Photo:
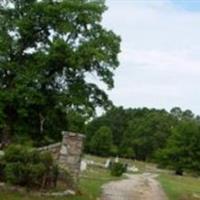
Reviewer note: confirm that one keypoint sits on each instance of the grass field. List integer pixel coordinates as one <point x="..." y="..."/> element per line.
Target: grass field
<point x="180" y="187"/>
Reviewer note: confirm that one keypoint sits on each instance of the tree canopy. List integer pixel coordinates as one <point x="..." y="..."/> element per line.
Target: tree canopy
<point x="172" y="139"/>
<point x="47" y="50"/>
<point x="137" y="133"/>
<point x="101" y="143"/>
<point x="182" y="150"/>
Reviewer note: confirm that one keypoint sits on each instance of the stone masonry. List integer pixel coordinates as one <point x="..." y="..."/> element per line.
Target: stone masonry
<point x="71" y="152"/>
<point x="68" y="153"/>
<point x="54" y="149"/>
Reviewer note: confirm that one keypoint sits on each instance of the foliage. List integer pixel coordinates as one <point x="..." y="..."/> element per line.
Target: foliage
<point x="136" y="133"/>
<point x="48" y="49"/>
<point x="90" y="186"/>
<point x="182" y="150"/>
<point x="170" y="138"/>
<point x="117" y="168"/>
<point x="101" y="143"/>
<point x="116" y="119"/>
<point x="27" y="167"/>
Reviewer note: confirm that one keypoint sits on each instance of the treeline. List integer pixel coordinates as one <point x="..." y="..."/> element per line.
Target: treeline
<point x="170" y="138"/>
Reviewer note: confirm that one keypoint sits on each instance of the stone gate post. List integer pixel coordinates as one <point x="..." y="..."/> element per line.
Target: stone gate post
<point x="71" y="152"/>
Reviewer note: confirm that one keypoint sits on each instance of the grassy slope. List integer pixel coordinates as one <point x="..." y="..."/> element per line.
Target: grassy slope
<point x="180" y="188"/>
<point x="91" y="182"/>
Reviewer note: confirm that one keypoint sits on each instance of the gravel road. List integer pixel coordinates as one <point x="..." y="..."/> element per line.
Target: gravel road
<point x="135" y="187"/>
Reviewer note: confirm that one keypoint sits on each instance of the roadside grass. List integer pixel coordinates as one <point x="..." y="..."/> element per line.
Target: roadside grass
<point x="91" y="182"/>
<point x="180" y="187"/>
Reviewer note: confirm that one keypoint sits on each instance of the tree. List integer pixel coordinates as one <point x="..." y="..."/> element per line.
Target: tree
<point x="101" y="142"/>
<point x="47" y="50"/>
<point x="179" y="114"/>
<point x="76" y="122"/>
<point x="137" y="133"/>
<point x="187" y="114"/>
<point x="147" y="133"/>
<point x="176" y="112"/>
<point x="116" y="119"/>
<point x="182" y="150"/>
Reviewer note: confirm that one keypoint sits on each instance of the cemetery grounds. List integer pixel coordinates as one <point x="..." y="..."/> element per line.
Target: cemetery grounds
<point x="92" y="180"/>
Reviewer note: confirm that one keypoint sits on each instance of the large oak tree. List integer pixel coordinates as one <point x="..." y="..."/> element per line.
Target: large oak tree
<point x="47" y="50"/>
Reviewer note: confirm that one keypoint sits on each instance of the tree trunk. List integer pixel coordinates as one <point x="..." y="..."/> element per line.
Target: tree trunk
<point x="7" y="131"/>
<point x="6" y="136"/>
<point x="42" y="120"/>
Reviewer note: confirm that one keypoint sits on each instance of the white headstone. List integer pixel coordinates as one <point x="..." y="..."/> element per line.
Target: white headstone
<point x="2" y="153"/>
<point x="133" y="169"/>
<point x="83" y="165"/>
<point x="117" y="159"/>
<point x="107" y="164"/>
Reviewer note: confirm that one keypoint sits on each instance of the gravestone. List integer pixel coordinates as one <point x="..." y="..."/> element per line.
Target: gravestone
<point x="117" y="159"/>
<point x="108" y="162"/>
<point x="71" y="153"/>
<point x="83" y="165"/>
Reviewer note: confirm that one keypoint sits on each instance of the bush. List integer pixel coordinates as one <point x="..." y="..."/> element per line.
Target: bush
<point x="27" y="167"/>
<point x="117" y="169"/>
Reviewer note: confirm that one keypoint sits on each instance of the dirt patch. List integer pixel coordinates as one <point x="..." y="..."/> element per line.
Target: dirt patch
<point x="136" y="187"/>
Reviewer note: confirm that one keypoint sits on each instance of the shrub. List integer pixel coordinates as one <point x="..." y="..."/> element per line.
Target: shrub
<point x="14" y="173"/>
<point x="27" y="167"/>
<point x="117" y="169"/>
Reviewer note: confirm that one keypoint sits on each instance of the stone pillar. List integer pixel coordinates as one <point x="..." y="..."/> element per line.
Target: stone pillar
<point x="71" y="152"/>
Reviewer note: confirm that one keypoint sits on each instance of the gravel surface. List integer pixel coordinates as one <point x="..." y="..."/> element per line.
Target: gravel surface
<point x="136" y="187"/>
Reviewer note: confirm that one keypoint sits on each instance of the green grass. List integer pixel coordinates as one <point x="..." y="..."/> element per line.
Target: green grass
<point x="98" y="159"/>
<point x="180" y="187"/>
<point x="91" y="182"/>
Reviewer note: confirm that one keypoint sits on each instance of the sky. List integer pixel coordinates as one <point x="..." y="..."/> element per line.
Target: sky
<point x="160" y="53"/>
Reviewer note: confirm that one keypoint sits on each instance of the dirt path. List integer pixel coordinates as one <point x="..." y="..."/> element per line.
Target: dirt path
<point x="136" y="187"/>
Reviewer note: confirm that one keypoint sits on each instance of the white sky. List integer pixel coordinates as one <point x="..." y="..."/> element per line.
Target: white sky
<point x="160" y="58"/>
